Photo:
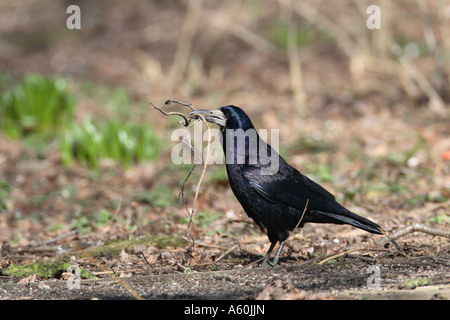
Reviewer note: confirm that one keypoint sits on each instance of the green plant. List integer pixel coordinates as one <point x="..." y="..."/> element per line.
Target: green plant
<point x="39" y="104"/>
<point x="413" y="283"/>
<point x="83" y="224"/>
<point x="44" y="271"/>
<point x="103" y="217"/>
<point x="56" y="227"/>
<point x="5" y="190"/>
<point x="441" y="218"/>
<point x="162" y="196"/>
<point x="203" y="218"/>
<point x="89" y="223"/>
<point x="323" y="173"/>
<point x="125" y="143"/>
<point x="219" y="174"/>
<point x="305" y="34"/>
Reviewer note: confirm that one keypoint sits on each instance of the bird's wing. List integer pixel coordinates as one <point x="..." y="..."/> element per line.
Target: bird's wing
<point x="293" y="190"/>
<point x="316" y="188"/>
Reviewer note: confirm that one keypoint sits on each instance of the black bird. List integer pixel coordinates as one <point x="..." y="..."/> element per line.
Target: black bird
<point x="277" y="201"/>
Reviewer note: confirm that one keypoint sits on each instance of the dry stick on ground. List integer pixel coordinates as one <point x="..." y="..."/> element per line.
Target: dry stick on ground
<point x="125" y="285"/>
<point x="421" y="228"/>
<point x="225" y="253"/>
<point x="218" y="259"/>
<point x="57" y="238"/>
<point x="415" y="227"/>
<point x="390" y="238"/>
<point x="357" y="249"/>
<point x="146" y="261"/>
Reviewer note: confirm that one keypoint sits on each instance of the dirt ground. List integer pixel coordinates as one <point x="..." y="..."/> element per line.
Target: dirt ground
<point x="346" y="280"/>
<point x="368" y="129"/>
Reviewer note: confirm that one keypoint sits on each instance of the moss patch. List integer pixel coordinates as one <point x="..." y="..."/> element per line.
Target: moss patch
<point x="43" y="271"/>
<point x="113" y="248"/>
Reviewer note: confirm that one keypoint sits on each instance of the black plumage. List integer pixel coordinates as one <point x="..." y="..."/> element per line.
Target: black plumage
<point x="277" y="201"/>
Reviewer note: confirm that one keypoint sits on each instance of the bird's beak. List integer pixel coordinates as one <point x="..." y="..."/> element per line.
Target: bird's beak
<point x="213" y="116"/>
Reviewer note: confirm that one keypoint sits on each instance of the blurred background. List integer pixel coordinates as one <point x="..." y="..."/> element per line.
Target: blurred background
<point x="363" y="111"/>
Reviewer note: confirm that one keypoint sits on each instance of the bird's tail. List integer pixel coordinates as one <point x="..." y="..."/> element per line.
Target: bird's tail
<point x="348" y="217"/>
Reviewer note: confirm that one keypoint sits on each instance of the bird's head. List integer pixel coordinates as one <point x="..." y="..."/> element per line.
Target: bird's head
<point x="228" y="117"/>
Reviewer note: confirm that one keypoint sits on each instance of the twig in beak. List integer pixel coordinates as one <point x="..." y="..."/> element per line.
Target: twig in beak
<point x="205" y="162"/>
<point x="186" y="120"/>
<point x="169" y="101"/>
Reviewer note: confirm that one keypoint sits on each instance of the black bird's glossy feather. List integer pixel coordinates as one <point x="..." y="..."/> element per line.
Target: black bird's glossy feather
<point x="276" y="202"/>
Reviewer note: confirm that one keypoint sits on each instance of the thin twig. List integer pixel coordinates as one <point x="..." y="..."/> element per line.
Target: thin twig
<point x="205" y="162"/>
<point x="416" y="227"/>
<point x="421" y="228"/>
<point x="225" y="253"/>
<point x="57" y="238"/>
<point x="146" y="261"/>
<point x="356" y="249"/>
<point x="169" y="101"/>
<point x="125" y="285"/>
<point x="186" y="120"/>
<point x="299" y="221"/>
<point x="181" y="193"/>
<point x="218" y="259"/>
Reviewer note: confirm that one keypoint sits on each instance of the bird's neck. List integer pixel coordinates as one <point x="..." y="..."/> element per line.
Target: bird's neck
<point x="243" y="146"/>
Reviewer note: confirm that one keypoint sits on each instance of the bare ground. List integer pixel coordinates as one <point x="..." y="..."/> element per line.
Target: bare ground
<point x="343" y="280"/>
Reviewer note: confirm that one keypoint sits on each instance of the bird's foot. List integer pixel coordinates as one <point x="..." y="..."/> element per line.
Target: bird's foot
<point x="271" y="264"/>
<point x="265" y="262"/>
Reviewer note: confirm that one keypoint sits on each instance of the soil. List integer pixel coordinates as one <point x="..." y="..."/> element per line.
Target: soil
<point x="371" y="273"/>
<point x="349" y="279"/>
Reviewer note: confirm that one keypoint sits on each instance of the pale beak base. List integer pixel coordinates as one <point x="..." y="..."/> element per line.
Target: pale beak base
<point x="213" y="116"/>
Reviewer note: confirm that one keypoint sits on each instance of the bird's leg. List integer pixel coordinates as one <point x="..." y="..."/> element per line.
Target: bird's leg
<point x="277" y="255"/>
<point x="267" y="256"/>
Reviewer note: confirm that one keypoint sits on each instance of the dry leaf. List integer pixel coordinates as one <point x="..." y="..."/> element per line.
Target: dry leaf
<point x="30" y="279"/>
